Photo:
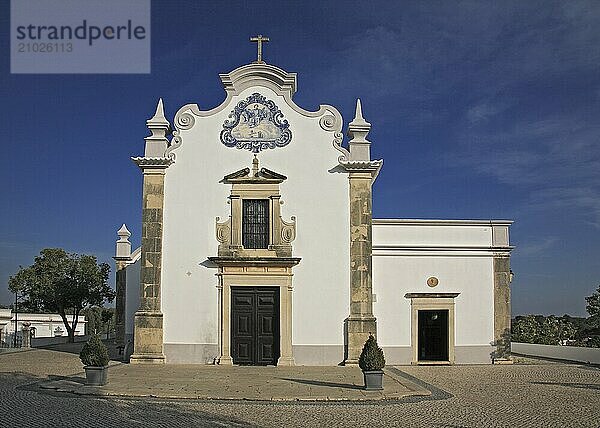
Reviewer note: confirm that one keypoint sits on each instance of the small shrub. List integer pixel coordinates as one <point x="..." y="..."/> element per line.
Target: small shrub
<point x="94" y="353"/>
<point x="371" y="357"/>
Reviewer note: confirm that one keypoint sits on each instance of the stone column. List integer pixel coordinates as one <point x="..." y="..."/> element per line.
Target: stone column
<point x="120" y="305"/>
<point x="148" y="323"/>
<point x="362" y="171"/>
<point x="26" y="330"/>
<point x="361" y="322"/>
<point x="148" y="336"/>
<point x="502" y="313"/>
<point x="122" y="257"/>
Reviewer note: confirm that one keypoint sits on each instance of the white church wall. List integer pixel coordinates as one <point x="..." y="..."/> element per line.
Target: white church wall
<point x="194" y="196"/>
<point x="432" y="233"/>
<point x="458" y="254"/>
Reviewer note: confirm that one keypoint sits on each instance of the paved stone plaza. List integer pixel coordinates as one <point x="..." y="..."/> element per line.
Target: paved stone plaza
<point x="538" y="394"/>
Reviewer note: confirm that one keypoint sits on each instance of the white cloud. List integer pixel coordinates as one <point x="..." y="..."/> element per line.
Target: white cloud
<point x="553" y="160"/>
<point x="484" y="111"/>
<point x="426" y="51"/>
<point x="537" y="248"/>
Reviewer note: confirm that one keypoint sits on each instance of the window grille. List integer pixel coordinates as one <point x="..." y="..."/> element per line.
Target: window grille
<point x="255" y="223"/>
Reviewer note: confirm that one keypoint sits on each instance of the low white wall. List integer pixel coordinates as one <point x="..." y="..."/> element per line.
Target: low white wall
<point x="571" y="353"/>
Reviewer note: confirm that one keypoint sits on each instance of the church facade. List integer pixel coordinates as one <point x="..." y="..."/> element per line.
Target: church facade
<point x="258" y="245"/>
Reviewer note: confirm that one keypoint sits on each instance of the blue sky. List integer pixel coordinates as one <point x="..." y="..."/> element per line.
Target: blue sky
<point x="480" y="109"/>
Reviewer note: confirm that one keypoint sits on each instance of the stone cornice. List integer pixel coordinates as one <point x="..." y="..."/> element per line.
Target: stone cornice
<point x="443" y="248"/>
<point x="438" y="222"/>
<point x="259" y="74"/>
<point x="152" y="163"/>
<point x="373" y="166"/>
<point x="431" y="295"/>
<point x="256" y="261"/>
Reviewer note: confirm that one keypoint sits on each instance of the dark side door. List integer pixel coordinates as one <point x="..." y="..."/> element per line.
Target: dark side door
<point x="433" y="335"/>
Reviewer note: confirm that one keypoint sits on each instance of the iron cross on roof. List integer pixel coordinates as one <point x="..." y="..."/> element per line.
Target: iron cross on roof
<point x="259" y="40"/>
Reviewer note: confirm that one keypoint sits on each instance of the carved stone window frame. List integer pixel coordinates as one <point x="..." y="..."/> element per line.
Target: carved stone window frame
<point x="261" y="184"/>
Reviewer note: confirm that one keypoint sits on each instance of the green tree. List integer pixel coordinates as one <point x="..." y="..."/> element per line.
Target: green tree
<point x="593" y="305"/>
<point x="567" y="330"/>
<point x="93" y="316"/>
<point x="63" y="283"/>
<point x="550" y="330"/>
<point x="107" y="316"/>
<point x="592" y="323"/>
<point x="525" y="329"/>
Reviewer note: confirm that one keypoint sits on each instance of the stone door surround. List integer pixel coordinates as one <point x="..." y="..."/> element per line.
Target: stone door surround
<point x="431" y="301"/>
<point x="267" y="272"/>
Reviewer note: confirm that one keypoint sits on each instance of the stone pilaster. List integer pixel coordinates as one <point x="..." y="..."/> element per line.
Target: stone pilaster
<point x="362" y="171"/>
<point x="148" y="323"/>
<point x="361" y="322"/>
<point x="122" y="258"/>
<point x="121" y="299"/>
<point x="502" y="314"/>
<point x="148" y="336"/>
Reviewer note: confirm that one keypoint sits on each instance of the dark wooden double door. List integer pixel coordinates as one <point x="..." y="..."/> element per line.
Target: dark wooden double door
<point x="255" y="326"/>
<point x="433" y="335"/>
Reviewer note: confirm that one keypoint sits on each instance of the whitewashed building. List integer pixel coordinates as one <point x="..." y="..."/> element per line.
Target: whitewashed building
<point x="259" y="247"/>
<point x="40" y="325"/>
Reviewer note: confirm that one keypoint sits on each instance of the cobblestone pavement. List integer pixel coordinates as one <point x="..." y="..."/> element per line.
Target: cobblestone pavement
<point x="536" y="395"/>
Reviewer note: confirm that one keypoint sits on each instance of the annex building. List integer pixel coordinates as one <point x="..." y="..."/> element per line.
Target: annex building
<point x="258" y="245"/>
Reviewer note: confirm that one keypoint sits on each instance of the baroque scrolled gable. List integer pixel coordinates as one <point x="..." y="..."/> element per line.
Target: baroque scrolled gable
<point x="258" y="114"/>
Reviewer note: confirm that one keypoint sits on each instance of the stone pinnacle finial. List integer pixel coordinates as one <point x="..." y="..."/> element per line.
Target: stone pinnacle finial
<point x="359" y="120"/>
<point x="123" y="244"/>
<point x="123" y="233"/>
<point x="158" y="120"/>
<point x="357" y="131"/>
<point x="159" y="115"/>
<point x="159" y="126"/>
<point x="255" y="166"/>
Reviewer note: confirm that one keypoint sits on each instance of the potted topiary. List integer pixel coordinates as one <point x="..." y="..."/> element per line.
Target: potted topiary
<point x="94" y="357"/>
<point x="371" y="362"/>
